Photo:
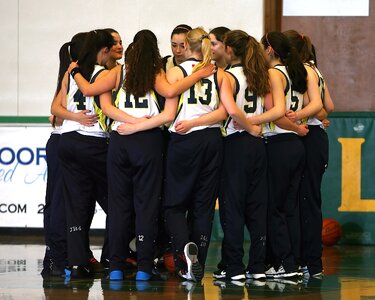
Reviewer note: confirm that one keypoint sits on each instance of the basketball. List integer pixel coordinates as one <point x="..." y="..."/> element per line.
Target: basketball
<point x="331" y="232"/>
<point x="169" y="262"/>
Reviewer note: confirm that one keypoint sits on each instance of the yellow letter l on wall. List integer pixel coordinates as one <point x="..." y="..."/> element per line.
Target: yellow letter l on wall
<point x="351" y="177"/>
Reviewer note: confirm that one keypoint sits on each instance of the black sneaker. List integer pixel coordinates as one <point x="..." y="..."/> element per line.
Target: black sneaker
<point x="280" y="273"/>
<point x="218" y="274"/>
<point x="52" y="270"/>
<point x="237" y="277"/>
<point x="195" y="270"/>
<point x="255" y="276"/>
<point x="78" y="272"/>
<point x="105" y="263"/>
<point x="95" y="266"/>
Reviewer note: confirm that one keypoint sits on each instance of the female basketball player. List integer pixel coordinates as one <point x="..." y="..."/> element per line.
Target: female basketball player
<point x="178" y="47"/>
<point x="55" y="258"/>
<point x="285" y="154"/>
<point x="316" y="147"/>
<point x="216" y="36"/>
<point x="117" y="49"/>
<point x="243" y="192"/>
<point x="272" y="113"/>
<point x="83" y="151"/>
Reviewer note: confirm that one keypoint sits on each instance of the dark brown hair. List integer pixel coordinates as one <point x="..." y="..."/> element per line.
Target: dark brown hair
<point x="288" y="55"/>
<point x="143" y="63"/>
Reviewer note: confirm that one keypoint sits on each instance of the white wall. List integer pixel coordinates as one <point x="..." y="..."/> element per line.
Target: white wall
<point x="32" y="32"/>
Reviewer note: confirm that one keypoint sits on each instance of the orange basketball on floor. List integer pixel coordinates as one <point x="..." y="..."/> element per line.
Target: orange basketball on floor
<point x="331" y="232"/>
<point x="169" y="262"/>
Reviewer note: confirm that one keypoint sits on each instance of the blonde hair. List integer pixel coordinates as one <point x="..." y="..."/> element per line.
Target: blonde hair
<point x="199" y="41"/>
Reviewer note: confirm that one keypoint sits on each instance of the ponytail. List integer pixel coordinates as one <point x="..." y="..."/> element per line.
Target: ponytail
<point x="296" y="71"/>
<point x="94" y="42"/>
<point x="198" y="41"/>
<point x="255" y="68"/>
<point x="288" y="55"/>
<point x="254" y="64"/>
<point x="143" y="63"/>
<point x="306" y="52"/>
<point x="303" y="45"/>
<point x="68" y="53"/>
<point x="65" y="60"/>
<point x="206" y="53"/>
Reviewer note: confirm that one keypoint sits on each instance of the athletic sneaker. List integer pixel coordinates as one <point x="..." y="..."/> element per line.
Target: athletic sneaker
<point x="95" y="266"/>
<point x="53" y="270"/>
<point x="271" y="272"/>
<point x="256" y="276"/>
<point x="306" y="273"/>
<point x="299" y="271"/>
<point x="218" y="274"/>
<point x="105" y="263"/>
<point x="194" y="271"/>
<point x="185" y="274"/>
<point x="280" y="273"/>
<point x="116" y="275"/>
<point x="143" y="276"/>
<point x="77" y="272"/>
<point x="237" y="277"/>
<point x="318" y="275"/>
<point x="305" y="270"/>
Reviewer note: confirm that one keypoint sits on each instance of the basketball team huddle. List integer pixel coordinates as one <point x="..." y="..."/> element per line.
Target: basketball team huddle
<point x="156" y="141"/>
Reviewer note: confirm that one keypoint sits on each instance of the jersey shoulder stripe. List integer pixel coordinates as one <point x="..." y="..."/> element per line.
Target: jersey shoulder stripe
<point x="286" y="90"/>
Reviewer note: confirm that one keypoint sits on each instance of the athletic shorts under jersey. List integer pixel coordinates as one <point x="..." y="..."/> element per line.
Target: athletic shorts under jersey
<point x="200" y="99"/>
<point x="245" y="99"/>
<point x="293" y="101"/>
<point x="76" y="102"/>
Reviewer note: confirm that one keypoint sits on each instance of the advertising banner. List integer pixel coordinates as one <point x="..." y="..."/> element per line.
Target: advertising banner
<point x="348" y="188"/>
<point x="23" y="177"/>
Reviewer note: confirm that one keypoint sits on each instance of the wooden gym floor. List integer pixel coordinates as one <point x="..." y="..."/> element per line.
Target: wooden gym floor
<point x="349" y="274"/>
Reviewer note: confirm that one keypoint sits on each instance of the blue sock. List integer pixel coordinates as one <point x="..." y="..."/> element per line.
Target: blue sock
<point x="116" y="275"/>
<point x="143" y="276"/>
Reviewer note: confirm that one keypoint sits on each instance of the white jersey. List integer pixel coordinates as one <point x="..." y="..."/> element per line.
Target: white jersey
<point x="293" y="101"/>
<point x="56" y="130"/>
<point x="170" y="62"/>
<point x="250" y="104"/>
<point x="147" y="105"/>
<point x="312" y="120"/>
<point x="76" y="102"/>
<point x="200" y="99"/>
